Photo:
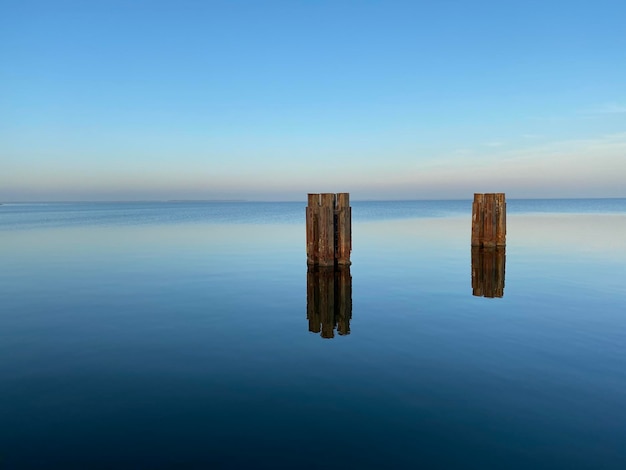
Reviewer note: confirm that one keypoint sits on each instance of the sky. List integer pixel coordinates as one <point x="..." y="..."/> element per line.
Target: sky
<point x="271" y="100"/>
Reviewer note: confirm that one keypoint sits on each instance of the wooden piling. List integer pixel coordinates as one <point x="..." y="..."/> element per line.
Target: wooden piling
<point x="500" y="220"/>
<point x="329" y="300"/>
<point x="489" y="220"/>
<point x="343" y="225"/>
<point x="328" y="229"/>
<point x="477" y="219"/>
<point x="488" y="271"/>
<point x="312" y="218"/>
<point x="326" y="233"/>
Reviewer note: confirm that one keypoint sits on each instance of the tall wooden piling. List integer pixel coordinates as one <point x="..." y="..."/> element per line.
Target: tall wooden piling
<point x="489" y="220"/>
<point x="488" y="269"/>
<point x="328" y="229"/>
<point x="329" y="300"/>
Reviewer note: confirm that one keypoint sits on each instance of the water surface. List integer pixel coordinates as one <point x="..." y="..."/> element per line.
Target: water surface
<point x="175" y="335"/>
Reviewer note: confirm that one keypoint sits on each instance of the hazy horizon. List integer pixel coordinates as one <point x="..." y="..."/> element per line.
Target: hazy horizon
<point x="302" y="200"/>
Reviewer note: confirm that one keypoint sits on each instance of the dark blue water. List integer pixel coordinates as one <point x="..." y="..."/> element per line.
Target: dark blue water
<point x="175" y="335"/>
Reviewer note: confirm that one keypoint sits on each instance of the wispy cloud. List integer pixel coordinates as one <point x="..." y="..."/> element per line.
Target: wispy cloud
<point x="609" y="108"/>
<point x="597" y="112"/>
<point x="593" y="167"/>
<point x="493" y="144"/>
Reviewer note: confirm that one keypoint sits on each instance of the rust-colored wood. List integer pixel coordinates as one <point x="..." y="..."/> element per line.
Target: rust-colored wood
<point x="477" y="219"/>
<point x="328" y="229"/>
<point x="312" y="220"/>
<point x="326" y="232"/>
<point x="343" y="229"/>
<point x="500" y="219"/>
<point x="489" y="220"/>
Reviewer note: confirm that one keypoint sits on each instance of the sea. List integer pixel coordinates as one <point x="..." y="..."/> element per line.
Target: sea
<point x="192" y="335"/>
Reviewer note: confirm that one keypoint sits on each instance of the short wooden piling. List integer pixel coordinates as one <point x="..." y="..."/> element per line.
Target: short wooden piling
<point x="488" y="270"/>
<point x="489" y="220"/>
<point x="328" y="229"/>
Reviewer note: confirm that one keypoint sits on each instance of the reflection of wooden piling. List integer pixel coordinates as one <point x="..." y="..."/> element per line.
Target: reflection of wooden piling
<point x="488" y="266"/>
<point x="329" y="300"/>
<point x="489" y="220"/>
<point x="343" y="299"/>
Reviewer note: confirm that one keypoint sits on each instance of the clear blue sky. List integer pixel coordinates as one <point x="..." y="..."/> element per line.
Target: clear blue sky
<point x="273" y="99"/>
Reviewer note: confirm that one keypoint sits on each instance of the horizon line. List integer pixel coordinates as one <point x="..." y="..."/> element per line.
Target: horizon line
<point x="234" y="201"/>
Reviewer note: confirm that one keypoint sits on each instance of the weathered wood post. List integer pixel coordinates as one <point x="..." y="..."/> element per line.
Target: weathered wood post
<point x="477" y="219"/>
<point x="500" y="219"/>
<point x="343" y="227"/>
<point x="329" y="300"/>
<point x="488" y="266"/>
<point x="328" y="229"/>
<point x="312" y="221"/>
<point x="489" y="220"/>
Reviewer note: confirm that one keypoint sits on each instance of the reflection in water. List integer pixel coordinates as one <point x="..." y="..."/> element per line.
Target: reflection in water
<point x="329" y="300"/>
<point x="488" y="271"/>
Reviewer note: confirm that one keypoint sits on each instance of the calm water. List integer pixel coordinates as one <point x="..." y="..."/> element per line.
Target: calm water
<point x="179" y="335"/>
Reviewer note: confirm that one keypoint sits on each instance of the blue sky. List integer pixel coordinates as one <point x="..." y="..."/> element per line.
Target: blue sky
<point x="269" y="100"/>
